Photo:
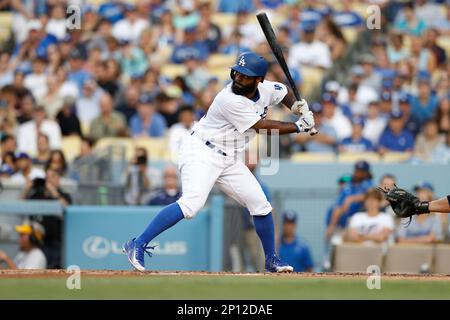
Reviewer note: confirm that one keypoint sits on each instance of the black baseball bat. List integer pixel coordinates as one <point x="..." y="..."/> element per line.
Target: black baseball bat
<point x="278" y="53"/>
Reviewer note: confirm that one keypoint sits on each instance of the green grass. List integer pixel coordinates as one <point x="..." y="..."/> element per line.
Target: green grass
<point x="226" y="287"/>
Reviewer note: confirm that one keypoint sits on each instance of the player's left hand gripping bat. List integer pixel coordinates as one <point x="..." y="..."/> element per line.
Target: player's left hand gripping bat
<point x="276" y="49"/>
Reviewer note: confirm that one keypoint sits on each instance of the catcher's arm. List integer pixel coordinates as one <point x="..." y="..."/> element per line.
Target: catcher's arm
<point x="440" y="205"/>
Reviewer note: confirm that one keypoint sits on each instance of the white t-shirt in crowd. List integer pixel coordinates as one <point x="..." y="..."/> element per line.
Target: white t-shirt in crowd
<point x="56" y="27"/>
<point x="34" y="173"/>
<point x="366" y="225"/>
<point x="373" y="128"/>
<point x="315" y="54"/>
<point x="340" y="123"/>
<point x="27" y="135"/>
<point x="124" y="30"/>
<point x="37" y="84"/>
<point x="230" y="116"/>
<point x="88" y="108"/>
<point x="34" y="259"/>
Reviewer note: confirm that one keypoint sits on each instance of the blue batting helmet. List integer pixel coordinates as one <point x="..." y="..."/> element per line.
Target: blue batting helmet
<point x="250" y="64"/>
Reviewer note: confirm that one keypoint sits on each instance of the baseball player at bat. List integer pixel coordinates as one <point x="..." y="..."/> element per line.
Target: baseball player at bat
<point x="208" y="156"/>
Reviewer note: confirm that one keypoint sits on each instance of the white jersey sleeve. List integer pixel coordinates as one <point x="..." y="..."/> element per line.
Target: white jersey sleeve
<point x="277" y="91"/>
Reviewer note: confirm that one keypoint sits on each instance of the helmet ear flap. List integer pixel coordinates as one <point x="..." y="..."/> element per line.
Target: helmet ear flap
<point x="232" y="74"/>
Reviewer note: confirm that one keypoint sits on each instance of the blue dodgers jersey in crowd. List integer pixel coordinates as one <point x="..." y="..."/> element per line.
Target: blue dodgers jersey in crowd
<point x="401" y="142"/>
<point x="350" y="190"/>
<point x="111" y="11"/>
<point x="198" y="50"/>
<point x="348" y="19"/>
<point x="426" y="111"/>
<point x="162" y="198"/>
<point x="157" y="127"/>
<point x="361" y="145"/>
<point x="296" y="254"/>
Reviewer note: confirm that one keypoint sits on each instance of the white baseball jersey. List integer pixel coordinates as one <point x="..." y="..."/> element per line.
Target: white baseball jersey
<point x="366" y="224"/>
<point x="226" y="126"/>
<point x="230" y="116"/>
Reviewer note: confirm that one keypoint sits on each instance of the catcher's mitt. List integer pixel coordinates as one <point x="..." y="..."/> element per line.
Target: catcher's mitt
<point x="405" y="204"/>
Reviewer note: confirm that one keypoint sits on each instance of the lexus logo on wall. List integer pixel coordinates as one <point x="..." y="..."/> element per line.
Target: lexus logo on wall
<point x="98" y="247"/>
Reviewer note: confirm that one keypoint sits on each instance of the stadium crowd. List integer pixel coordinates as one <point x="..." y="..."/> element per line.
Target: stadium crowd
<point x="151" y="68"/>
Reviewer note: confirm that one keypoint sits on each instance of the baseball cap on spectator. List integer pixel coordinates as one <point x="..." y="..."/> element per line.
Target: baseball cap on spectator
<point x="358" y="121"/>
<point x="367" y="58"/>
<point x="89" y="8"/>
<point x="423" y="76"/>
<point x="173" y="92"/>
<point x="332" y="86"/>
<point x="137" y="76"/>
<point x="316" y="107"/>
<point x="22" y="69"/>
<point x="396" y="114"/>
<point x="129" y="7"/>
<point x="362" y="165"/>
<point x="32" y="228"/>
<point x="290" y="216"/>
<point x="386" y="96"/>
<point x="187" y="5"/>
<point x="327" y="97"/>
<point x="76" y="55"/>
<point x="34" y="24"/>
<point x="123" y="41"/>
<point x="424" y="185"/>
<point x="379" y="42"/>
<point x="403" y="98"/>
<point x="190" y="29"/>
<point x="22" y="155"/>
<point x="67" y="38"/>
<point x="387" y="83"/>
<point x="146" y="99"/>
<point x="308" y="27"/>
<point x="69" y="100"/>
<point x="357" y="71"/>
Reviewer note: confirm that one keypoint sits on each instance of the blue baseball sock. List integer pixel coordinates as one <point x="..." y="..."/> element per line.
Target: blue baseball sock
<point x="265" y="230"/>
<point x="165" y="219"/>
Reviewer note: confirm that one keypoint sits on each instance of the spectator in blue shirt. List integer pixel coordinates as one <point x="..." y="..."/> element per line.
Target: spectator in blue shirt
<point x="424" y="105"/>
<point x="190" y="48"/>
<point x="291" y="249"/>
<point x="147" y="122"/>
<point x="347" y="17"/>
<point x="412" y="122"/>
<point x="236" y="6"/>
<point x="76" y="73"/>
<point x="351" y="198"/>
<point x="410" y="24"/>
<point x="170" y="192"/>
<point x="112" y="11"/>
<point x="356" y="142"/>
<point x="396" y="137"/>
<point x="234" y="46"/>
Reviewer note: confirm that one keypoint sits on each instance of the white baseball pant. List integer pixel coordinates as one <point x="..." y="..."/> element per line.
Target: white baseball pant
<point x="201" y="167"/>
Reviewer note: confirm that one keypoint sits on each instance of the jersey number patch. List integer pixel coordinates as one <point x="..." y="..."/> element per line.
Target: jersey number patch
<point x="277" y="87"/>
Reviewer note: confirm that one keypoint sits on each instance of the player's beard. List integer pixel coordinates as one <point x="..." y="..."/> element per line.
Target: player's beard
<point x="243" y="90"/>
